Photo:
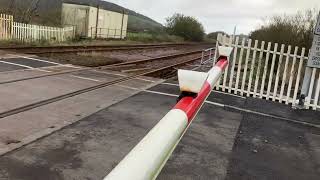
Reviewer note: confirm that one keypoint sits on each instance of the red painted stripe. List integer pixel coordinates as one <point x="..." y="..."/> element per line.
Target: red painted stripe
<point x="191" y="105"/>
<point x="222" y="62"/>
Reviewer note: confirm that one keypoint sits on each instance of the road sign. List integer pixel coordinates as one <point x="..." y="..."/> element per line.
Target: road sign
<point x="314" y="56"/>
<point x="317" y="30"/>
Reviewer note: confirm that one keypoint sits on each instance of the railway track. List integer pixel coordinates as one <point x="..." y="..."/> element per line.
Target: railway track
<point x="106" y="67"/>
<point x="95" y="87"/>
<point x="91" y="48"/>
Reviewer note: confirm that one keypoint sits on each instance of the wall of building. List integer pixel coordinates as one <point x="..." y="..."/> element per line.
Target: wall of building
<point x="85" y="19"/>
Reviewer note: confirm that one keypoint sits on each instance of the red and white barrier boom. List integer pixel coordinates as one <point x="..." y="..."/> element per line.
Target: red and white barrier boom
<point x="147" y="158"/>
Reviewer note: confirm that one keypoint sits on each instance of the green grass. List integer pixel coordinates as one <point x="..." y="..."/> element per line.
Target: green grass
<point x="148" y="37"/>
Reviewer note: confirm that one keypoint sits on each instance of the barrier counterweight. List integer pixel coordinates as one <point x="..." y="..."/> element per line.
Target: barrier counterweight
<point x="148" y="157"/>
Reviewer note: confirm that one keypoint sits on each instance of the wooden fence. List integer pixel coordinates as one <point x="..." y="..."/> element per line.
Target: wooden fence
<point x="10" y="30"/>
<point x="268" y="70"/>
<point x="6" y="22"/>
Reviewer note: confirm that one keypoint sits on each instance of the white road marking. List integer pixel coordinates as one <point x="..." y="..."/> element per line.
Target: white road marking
<point x="90" y="79"/>
<point x="122" y="75"/>
<point x="171" y="84"/>
<point x="161" y="93"/>
<point x="29" y="67"/>
<point x="40" y="60"/>
<point x="35" y="59"/>
<point x="232" y="107"/>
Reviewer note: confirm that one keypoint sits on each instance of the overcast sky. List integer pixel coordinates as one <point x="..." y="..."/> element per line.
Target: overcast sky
<point x="219" y="14"/>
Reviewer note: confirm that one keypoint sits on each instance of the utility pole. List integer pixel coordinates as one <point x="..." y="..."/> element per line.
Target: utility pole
<point x="121" y="33"/>
<point x="313" y="62"/>
<point x="234" y="33"/>
<point x="97" y="20"/>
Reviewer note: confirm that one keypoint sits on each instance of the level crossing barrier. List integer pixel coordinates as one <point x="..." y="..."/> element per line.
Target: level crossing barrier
<point x="147" y="158"/>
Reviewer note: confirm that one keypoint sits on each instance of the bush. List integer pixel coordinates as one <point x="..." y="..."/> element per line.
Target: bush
<point x="185" y="26"/>
<point x="296" y="30"/>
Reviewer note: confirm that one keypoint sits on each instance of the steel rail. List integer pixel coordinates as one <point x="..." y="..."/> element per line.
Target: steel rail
<point x="72" y="49"/>
<point x="151" y="59"/>
<point x="101" y="67"/>
<point x="85" y="90"/>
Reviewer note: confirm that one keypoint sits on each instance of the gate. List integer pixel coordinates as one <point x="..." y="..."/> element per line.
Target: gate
<point x="6" y="26"/>
<point x="268" y="70"/>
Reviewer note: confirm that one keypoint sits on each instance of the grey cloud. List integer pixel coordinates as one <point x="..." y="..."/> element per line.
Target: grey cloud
<point x="219" y="14"/>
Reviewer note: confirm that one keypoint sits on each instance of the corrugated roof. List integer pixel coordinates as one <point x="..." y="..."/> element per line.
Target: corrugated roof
<point x="102" y="4"/>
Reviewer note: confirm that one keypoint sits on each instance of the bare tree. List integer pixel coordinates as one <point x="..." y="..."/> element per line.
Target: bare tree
<point x="293" y="29"/>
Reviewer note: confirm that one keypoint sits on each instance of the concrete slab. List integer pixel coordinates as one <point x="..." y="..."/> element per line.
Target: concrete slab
<point x="15" y="75"/>
<point x="268" y="148"/>
<point x="92" y="147"/>
<point x="283" y="110"/>
<point x="9" y="67"/>
<point x="204" y="151"/>
<point x="265" y="147"/>
<point x="23" y="93"/>
<point x="30" y="125"/>
<point x="28" y="62"/>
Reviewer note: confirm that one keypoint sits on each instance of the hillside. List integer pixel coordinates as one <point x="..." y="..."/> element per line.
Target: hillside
<point x="48" y="12"/>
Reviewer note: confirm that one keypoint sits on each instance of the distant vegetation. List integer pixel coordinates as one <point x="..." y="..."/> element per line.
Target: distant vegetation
<point x="296" y="29"/>
<point x="185" y="26"/>
<point x="48" y="12"/>
<point x="137" y="23"/>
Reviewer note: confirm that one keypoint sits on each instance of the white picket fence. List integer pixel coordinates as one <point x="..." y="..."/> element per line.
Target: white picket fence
<point x="5" y="26"/>
<point x="10" y="30"/>
<point x="268" y="70"/>
<point x="28" y="32"/>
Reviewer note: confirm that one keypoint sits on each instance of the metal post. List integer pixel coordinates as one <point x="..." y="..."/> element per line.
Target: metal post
<point x="97" y="20"/>
<point x="122" y="24"/>
<point x="202" y="57"/>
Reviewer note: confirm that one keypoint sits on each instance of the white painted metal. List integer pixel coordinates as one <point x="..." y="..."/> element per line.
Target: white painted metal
<point x="147" y="158"/>
<point x="253" y="60"/>
<point x="291" y="74"/>
<point x="297" y="85"/>
<point x="191" y="81"/>
<point x="266" y="80"/>
<point x="316" y="98"/>
<point x="239" y="66"/>
<point x="265" y="70"/>
<point x="5" y="26"/>
<point x="275" y="90"/>
<point x="224" y="51"/>
<point x="313" y="76"/>
<point x="28" y="32"/>
<point x="284" y="77"/>
<point x="258" y="70"/>
<point x="233" y="64"/>
<point x="225" y="73"/>
<point x="271" y="70"/>
<point x="244" y="77"/>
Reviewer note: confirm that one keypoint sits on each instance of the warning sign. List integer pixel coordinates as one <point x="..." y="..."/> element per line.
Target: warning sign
<point x="317" y="30"/>
<point x="314" y="57"/>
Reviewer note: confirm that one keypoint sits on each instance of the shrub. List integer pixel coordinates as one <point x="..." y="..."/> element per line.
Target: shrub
<point x="185" y="26"/>
<point x="294" y="29"/>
